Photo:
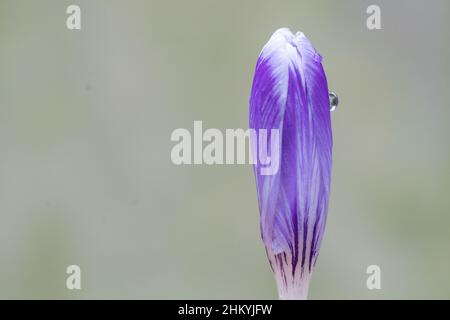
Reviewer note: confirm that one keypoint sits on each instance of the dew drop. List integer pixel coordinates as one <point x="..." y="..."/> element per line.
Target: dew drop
<point x="334" y="100"/>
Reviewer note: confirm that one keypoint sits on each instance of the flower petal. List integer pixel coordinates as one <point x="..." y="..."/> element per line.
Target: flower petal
<point x="290" y="93"/>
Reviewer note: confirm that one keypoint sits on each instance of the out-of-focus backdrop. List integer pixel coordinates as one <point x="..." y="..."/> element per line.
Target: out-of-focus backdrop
<point x="85" y="171"/>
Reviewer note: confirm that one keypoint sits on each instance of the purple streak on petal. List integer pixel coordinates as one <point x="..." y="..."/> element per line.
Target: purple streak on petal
<point x="290" y="93"/>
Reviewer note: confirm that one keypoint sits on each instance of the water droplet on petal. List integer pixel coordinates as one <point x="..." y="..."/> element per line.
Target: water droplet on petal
<point x="334" y="101"/>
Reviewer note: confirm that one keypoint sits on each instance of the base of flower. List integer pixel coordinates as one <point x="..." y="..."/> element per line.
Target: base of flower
<point x="291" y="284"/>
<point x="294" y="289"/>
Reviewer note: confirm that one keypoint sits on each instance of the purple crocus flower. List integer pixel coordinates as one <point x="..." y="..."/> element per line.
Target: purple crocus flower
<point x="290" y="93"/>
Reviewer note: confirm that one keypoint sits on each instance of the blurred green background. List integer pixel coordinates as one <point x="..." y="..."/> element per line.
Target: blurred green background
<point x="85" y="170"/>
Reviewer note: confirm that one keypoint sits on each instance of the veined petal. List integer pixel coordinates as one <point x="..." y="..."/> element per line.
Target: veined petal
<point x="290" y="93"/>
